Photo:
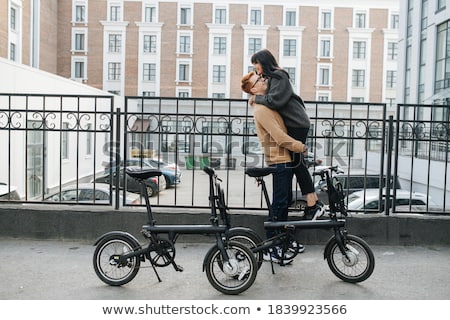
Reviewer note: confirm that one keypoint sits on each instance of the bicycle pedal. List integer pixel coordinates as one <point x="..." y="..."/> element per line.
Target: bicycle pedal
<point x="179" y="268"/>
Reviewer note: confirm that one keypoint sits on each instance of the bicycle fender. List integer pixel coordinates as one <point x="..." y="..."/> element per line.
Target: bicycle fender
<point x="326" y="252"/>
<point x="115" y="234"/>
<point x="246" y="229"/>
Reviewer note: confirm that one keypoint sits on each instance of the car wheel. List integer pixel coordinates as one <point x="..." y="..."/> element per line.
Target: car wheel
<point x="168" y="185"/>
<point x="150" y="191"/>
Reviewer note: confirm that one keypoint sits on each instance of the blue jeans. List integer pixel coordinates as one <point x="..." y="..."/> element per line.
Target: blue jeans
<point x="281" y="184"/>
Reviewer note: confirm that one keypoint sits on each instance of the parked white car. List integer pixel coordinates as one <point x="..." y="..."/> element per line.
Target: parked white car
<point x="368" y="201"/>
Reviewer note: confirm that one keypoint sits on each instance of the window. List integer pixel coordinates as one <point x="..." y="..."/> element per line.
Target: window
<point x="441" y="4"/>
<point x="442" y="73"/>
<point x="391" y="79"/>
<point x="148" y="93"/>
<point x="12" y="19"/>
<point x="79" y="70"/>
<point x="219" y="74"/>
<point x="357" y="99"/>
<point x="324" y="76"/>
<point x="115" y="43"/>
<point x="392" y="50"/>
<point x="360" y="20"/>
<point x="325" y="48"/>
<point x="291" y="73"/>
<point x="79" y="41"/>
<point x="114" y="71"/>
<point x="150" y="14"/>
<point x="359" y="50"/>
<point x="65" y="141"/>
<point x="390" y="102"/>
<point x="323" y="97"/>
<point x="183" y="72"/>
<point x="358" y="78"/>
<point x="218" y="95"/>
<point x="220" y="16"/>
<point x="12" y="52"/>
<point x="220" y="45"/>
<point x="291" y="17"/>
<point x="325" y="19"/>
<point x="184" y="94"/>
<point x="149" y="72"/>
<point x="185" y="16"/>
<point x="395" y="21"/>
<point x="80" y="13"/>
<point x="185" y="44"/>
<point x="114" y="13"/>
<point x="255" y="17"/>
<point x="149" y="43"/>
<point x="289" y="47"/>
<point x="254" y="45"/>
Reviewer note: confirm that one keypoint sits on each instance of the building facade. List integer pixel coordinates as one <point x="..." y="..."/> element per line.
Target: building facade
<point x="333" y="50"/>
<point x="424" y="42"/>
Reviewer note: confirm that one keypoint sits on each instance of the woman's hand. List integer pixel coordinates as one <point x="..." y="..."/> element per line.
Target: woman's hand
<point x="251" y="101"/>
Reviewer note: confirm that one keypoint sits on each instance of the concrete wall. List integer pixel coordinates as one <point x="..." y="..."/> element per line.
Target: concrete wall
<point x="87" y="223"/>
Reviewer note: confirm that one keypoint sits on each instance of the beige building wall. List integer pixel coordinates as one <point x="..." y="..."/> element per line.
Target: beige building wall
<point x="57" y="25"/>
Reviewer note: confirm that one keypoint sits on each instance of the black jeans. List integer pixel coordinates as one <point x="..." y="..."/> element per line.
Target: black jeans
<point x="281" y="193"/>
<point x="300" y="170"/>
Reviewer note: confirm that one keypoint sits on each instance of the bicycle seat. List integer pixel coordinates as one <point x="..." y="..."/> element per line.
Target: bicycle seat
<point x="260" y="172"/>
<point x="142" y="174"/>
<point x="210" y="171"/>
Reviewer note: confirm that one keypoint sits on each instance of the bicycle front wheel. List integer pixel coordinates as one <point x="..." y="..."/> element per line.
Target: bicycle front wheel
<point x="106" y="266"/>
<point x="356" y="265"/>
<point x="235" y="275"/>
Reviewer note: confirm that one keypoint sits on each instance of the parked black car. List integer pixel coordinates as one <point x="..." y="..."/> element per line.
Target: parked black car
<point x="154" y="184"/>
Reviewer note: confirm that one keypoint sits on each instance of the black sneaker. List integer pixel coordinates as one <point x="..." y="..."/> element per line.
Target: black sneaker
<point x="315" y="212"/>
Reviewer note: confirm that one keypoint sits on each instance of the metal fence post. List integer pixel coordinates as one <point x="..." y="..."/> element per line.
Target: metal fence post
<point x="389" y="166"/>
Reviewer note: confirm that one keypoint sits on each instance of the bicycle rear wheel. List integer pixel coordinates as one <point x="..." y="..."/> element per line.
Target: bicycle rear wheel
<point x="356" y="265"/>
<point x="235" y="275"/>
<point x="249" y="238"/>
<point x="106" y="265"/>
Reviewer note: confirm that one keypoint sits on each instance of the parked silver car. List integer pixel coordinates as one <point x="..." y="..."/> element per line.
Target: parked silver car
<point x="90" y="193"/>
<point x="369" y="201"/>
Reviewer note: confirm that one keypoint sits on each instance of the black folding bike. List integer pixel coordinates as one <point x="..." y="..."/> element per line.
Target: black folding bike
<point x="230" y="265"/>
<point x="349" y="257"/>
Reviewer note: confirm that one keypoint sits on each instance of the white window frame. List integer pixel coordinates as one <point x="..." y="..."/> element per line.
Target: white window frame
<point x="250" y="9"/>
<point x="321" y="22"/>
<point x="322" y="39"/>
<point x="324" y="66"/>
<point x="76" y="59"/>
<point x="150" y="5"/>
<point x="84" y="4"/>
<point x="220" y="7"/>
<point x="185" y="33"/>
<point x="184" y="62"/>
<point x="75" y="34"/>
<point x="286" y="10"/>
<point x="190" y="17"/>
<point x="112" y="4"/>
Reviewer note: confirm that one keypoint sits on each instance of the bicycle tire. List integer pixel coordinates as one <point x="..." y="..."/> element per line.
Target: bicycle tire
<point x="358" y="263"/>
<point x="107" y="269"/>
<point x="250" y="239"/>
<point x="236" y="275"/>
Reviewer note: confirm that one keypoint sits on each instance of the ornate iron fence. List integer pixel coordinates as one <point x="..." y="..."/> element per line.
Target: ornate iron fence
<point x="50" y="142"/>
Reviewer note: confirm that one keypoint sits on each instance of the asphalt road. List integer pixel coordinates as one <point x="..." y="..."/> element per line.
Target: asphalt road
<point x="62" y="270"/>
